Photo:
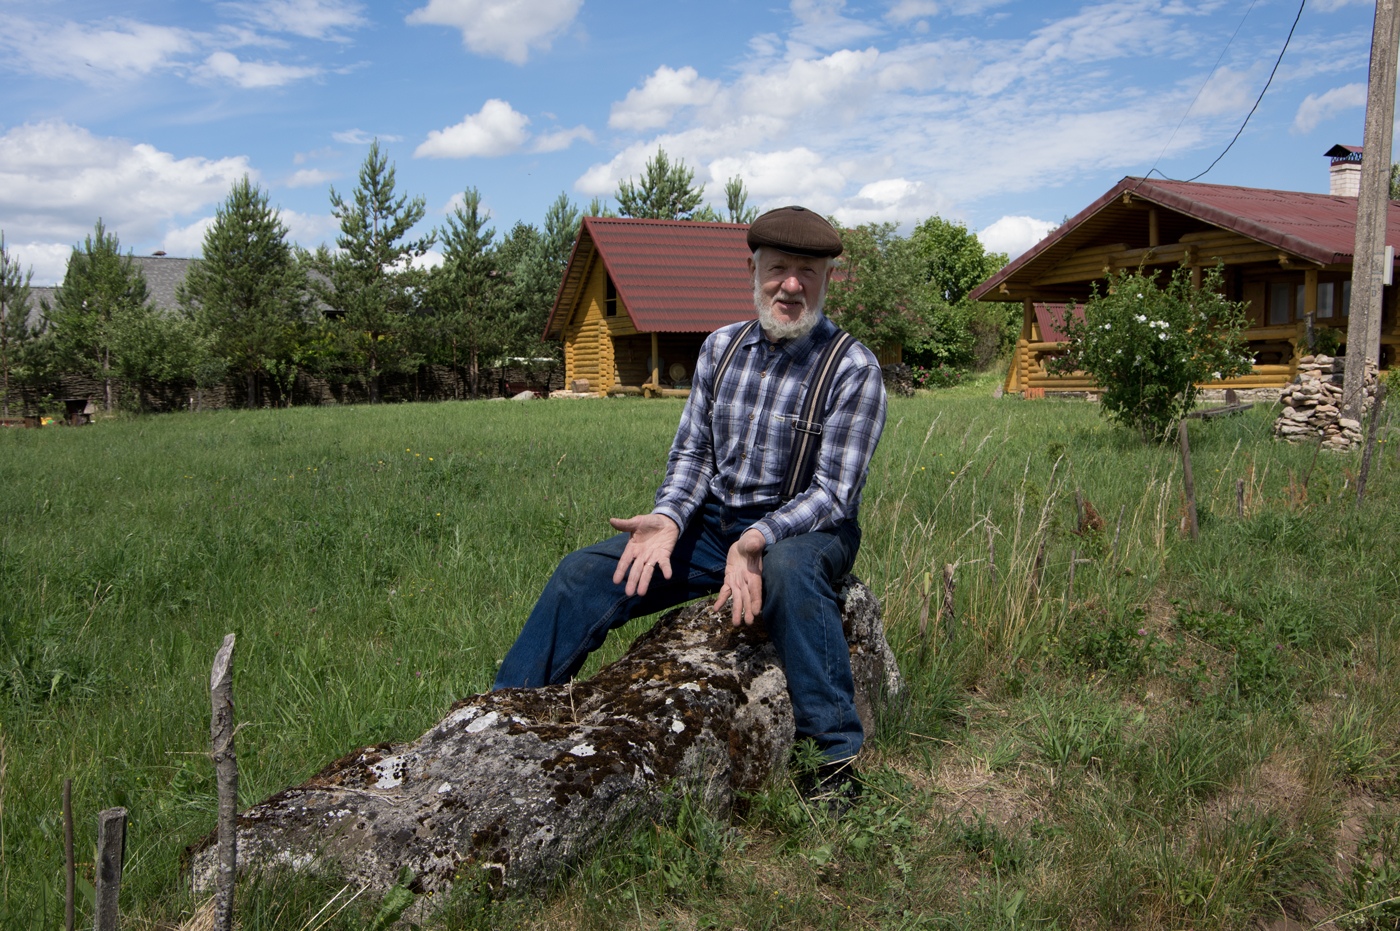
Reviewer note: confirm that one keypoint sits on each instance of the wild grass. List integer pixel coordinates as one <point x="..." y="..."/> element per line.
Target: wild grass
<point x="1118" y="727"/>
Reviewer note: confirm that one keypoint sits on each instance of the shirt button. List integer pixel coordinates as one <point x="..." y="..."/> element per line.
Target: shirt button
<point x="743" y="455"/>
<point x="751" y="416"/>
<point x="762" y="374"/>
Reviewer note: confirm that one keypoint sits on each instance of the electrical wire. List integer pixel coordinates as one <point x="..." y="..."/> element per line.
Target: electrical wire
<point x="1257" y="101"/>
<point x="1204" y="84"/>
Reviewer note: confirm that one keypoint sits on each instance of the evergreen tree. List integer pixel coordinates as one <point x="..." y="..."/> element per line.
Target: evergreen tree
<point x="737" y="201"/>
<point x="465" y="307"/>
<point x="248" y="295"/>
<point x="371" y="285"/>
<point x="15" y="332"/>
<point x="665" y="192"/>
<point x="597" y="208"/>
<point x="561" y="223"/>
<point x="102" y="299"/>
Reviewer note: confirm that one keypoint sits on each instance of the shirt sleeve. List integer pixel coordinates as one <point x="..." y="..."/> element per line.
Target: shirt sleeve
<point x="691" y="464"/>
<point x="854" y="422"/>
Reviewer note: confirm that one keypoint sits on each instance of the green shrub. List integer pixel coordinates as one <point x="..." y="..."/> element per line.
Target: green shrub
<point x="1148" y="347"/>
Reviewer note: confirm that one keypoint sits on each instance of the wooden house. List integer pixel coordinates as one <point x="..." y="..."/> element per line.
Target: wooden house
<point x="639" y="297"/>
<point x="1288" y="254"/>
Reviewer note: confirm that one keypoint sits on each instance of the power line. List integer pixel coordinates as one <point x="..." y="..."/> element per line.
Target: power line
<point x="1257" y="101"/>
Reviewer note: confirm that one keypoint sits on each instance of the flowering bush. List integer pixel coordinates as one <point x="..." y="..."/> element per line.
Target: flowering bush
<point x="1148" y="347"/>
<point x="938" y="376"/>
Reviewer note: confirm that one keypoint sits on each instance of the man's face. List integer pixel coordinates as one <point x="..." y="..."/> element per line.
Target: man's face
<point x="788" y="290"/>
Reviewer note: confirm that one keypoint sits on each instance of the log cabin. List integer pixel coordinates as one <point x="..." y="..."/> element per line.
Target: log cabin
<point x="1287" y="254"/>
<point x="639" y="297"/>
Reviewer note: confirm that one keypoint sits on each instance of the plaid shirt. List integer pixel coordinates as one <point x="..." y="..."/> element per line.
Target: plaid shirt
<point x="734" y="443"/>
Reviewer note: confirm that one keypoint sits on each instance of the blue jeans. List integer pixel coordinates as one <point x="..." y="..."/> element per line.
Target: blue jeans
<point x="801" y="614"/>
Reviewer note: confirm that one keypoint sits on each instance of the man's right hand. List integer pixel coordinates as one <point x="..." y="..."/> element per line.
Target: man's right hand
<point x="653" y="536"/>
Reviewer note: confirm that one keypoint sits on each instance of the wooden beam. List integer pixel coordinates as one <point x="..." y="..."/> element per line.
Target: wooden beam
<point x="1153" y="236"/>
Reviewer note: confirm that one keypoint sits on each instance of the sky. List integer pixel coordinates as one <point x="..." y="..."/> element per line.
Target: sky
<point x="1006" y="116"/>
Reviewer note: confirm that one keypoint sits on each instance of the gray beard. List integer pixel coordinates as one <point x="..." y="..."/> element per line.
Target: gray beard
<point x="776" y="329"/>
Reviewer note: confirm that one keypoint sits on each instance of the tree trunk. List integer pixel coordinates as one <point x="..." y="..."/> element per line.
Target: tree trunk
<point x="252" y="383"/>
<point x="513" y="786"/>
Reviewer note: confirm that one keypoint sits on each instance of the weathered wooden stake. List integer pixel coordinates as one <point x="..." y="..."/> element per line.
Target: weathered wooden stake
<point x="1239" y="497"/>
<point x="945" y="613"/>
<point x="991" y="551"/>
<point x="1073" y="562"/>
<point x="69" y="867"/>
<point x="1307" y="476"/>
<point x="1117" y="529"/>
<point x="1078" y="511"/>
<point x="1371" y="430"/>
<point x="226" y="772"/>
<point x="111" y="851"/>
<point x="1188" y="481"/>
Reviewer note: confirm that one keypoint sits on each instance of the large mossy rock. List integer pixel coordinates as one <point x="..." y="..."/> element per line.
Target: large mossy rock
<point x="512" y="786"/>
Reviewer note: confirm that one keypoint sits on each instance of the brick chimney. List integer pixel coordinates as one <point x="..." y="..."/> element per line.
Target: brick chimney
<point x="1346" y="170"/>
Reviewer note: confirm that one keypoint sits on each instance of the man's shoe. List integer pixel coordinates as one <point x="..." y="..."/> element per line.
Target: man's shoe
<point x="832" y="787"/>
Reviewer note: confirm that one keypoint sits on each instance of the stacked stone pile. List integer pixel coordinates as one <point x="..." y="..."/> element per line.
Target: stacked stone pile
<point x="1312" y="404"/>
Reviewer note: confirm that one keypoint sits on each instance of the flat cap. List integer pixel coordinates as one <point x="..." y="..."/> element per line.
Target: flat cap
<point x="796" y="230"/>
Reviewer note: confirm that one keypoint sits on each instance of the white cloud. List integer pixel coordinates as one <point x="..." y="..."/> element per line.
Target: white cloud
<point x="908" y="10"/>
<point x="1316" y="108"/>
<point x="312" y="19"/>
<point x="666" y="91"/>
<point x="497" y="129"/>
<point x="120" y="48"/>
<point x="228" y="67"/>
<point x="360" y="137"/>
<point x="310" y="229"/>
<point x="1228" y="92"/>
<point x="56" y="179"/>
<point x="309" y="177"/>
<point x="506" y="29"/>
<point x="821" y="24"/>
<point x="890" y="200"/>
<point x="48" y="260"/>
<point x="187" y="241"/>
<point x="1014" y="235"/>
<point x="561" y="139"/>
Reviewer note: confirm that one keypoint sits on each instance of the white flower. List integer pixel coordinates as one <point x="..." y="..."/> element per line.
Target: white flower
<point x="1161" y="336"/>
<point x="1141" y="318"/>
<point x="1108" y="326"/>
<point x="1139" y="295"/>
<point x="1215" y="376"/>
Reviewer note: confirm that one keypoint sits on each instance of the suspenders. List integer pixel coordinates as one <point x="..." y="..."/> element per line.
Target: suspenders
<point x="807" y="428"/>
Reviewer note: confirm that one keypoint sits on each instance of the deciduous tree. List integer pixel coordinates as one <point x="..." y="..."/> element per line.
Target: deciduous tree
<point x="880" y="294"/>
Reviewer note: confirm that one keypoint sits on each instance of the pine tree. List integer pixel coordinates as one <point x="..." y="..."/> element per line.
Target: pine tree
<point x="15" y="330"/>
<point x="370" y="278"/>
<point x="665" y="192"/>
<point x="248" y="294"/>
<point x="102" y="299"/>
<point x="737" y="201"/>
<point x="462" y="289"/>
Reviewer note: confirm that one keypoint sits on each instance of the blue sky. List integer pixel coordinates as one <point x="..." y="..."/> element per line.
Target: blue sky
<point x="1005" y="115"/>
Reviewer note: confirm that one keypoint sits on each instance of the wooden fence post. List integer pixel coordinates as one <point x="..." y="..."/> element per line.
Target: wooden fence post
<point x="1188" y="480"/>
<point x="111" y="851"/>
<point x="946" y="611"/>
<point x="221" y="729"/>
<point x="69" y="867"/>
<point x="1239" y="498"/>
<point x="1371" y="430"/>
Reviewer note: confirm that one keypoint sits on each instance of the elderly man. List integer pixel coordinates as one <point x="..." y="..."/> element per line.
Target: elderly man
<point x="738" y="513"/>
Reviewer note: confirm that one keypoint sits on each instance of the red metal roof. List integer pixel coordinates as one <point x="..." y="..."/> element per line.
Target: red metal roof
<point x="673" y="276"/>
<point x="1051" y="318"/>
<point x="1320" y="228"/>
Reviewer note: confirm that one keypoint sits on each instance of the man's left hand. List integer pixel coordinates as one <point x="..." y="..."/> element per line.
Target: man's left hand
<point x="743" y="578"/>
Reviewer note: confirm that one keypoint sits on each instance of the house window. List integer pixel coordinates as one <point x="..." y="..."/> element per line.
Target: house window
<point x="1281" y="301"/>
<point x="1325" y="291"/>
<point x="610" y="299"/>
<point x="1345" y="303"/>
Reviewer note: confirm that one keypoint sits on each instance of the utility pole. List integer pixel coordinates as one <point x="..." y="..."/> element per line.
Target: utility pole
<point x="1372" y="211"/>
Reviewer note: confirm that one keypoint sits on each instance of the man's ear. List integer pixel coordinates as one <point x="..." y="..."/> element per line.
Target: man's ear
<point x="752" y="267"/>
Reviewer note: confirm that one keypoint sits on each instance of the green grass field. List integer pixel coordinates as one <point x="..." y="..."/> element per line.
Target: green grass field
<point x="1198" y="734"/>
